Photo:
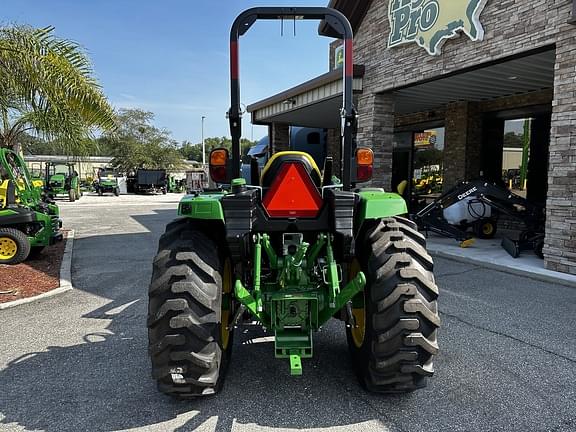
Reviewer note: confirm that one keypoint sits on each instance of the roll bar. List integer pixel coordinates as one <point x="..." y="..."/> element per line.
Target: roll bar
<point x="342" y="26"/>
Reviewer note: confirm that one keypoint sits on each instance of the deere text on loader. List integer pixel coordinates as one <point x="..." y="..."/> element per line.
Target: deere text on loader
<point x="290" y="251"/>
<point x="27" y="223"/>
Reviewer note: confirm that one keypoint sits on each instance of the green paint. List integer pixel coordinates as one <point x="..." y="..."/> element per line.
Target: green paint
<point x="376" y="205"/>
<point x="238" y="182"/>
<point x="29" y="198"/>
<point x="203" y="206"/>
<point x="295" y="365"/>
<point x="304" y="294"/>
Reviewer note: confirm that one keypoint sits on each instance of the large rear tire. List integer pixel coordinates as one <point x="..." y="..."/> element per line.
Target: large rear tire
<point x="393" y="342"/>
<point x="190" y="309"/>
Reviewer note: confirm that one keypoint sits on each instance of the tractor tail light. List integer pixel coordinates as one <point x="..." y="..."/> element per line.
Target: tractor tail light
<point x="292" y="194"/>
<point x="218" y="165"/>
<point x="364" y="164"/>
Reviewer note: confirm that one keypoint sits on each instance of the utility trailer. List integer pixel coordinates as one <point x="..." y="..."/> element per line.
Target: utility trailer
<point x="150" y="181"/>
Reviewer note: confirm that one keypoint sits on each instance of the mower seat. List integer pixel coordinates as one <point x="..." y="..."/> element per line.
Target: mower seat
<point x="272" y="168"/>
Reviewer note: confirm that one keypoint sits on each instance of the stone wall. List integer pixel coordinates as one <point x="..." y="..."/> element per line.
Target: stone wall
<point x="560" y="249"/>
<point x="511" y="27"/>
<point x="279" y="137"/>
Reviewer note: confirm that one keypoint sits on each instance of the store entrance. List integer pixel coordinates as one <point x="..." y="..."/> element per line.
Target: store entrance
<point x="515" y="153"/>
<point x="418" y="165"/>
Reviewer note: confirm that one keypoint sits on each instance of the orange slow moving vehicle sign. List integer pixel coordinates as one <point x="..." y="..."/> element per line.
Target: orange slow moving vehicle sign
<point x="293" y="194"/>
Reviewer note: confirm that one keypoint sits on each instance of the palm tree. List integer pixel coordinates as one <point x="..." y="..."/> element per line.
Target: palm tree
<point x="47" y="87"/>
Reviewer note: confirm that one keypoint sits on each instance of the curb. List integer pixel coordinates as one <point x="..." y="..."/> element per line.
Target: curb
<point x="65" y="278"/>
<point x="550" y="278"/>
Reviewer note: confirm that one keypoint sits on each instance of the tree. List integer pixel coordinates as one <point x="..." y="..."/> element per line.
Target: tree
<point x="514" y="140"/>
<point x="47" y="88"/>
<point x="194" y="151"/>
<point x="136" y="143"/>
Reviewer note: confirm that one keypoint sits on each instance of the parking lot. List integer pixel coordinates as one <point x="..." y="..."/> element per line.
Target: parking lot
<point x="79" y="361"/>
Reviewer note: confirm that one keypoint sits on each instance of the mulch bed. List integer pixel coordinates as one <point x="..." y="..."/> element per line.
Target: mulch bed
<point x="34" y="276"/>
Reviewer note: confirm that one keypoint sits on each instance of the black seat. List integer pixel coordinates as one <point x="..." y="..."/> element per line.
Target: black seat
<point x="272" y="168"/>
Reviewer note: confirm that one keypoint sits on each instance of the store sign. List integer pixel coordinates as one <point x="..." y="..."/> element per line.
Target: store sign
<point x="430" y="23"/>
<point x="425" y="139"/>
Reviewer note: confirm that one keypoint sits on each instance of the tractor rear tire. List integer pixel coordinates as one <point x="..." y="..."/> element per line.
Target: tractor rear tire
<point x="393" y="352"/>
<point x="189" y="311"/>
<point x="116" y="192"/>
<point x="14" y="246"/>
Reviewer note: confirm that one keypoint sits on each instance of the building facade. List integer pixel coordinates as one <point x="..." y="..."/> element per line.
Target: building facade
<point x="453" y="90"/>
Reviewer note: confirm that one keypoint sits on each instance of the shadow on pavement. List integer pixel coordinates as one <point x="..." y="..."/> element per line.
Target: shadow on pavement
<point x="104" y="384"/>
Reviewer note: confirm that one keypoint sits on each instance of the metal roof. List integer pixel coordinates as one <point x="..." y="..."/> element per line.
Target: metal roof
<point x="516" y="76"/>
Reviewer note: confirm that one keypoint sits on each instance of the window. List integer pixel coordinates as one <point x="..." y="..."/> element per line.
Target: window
<point x="516" y="154"/>
<point x="428" y="174"/>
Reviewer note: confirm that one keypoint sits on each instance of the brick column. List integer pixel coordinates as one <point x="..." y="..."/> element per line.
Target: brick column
<point x="376" y="130"/>
<point x="462" y="148"/>
<point x="279" y="137"/>
<point x="333" y="146"/>
<point x="560" y="243"/>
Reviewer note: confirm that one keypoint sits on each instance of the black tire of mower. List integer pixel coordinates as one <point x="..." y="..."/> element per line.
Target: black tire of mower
<point x="481" y="224"/>
<point x="400" y="341"/>
<point x="116" y="192"/>
<point x="184" y="313"/>
<point x="22" y="245"/>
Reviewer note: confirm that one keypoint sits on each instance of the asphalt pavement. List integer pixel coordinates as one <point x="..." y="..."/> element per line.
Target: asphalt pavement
<point x="78" y="362"/>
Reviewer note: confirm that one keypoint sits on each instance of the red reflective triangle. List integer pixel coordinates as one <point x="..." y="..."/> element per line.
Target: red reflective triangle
<point x="292" y="194"/>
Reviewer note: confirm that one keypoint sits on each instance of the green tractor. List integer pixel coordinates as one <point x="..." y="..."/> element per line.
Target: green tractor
<point x="62" y="179"/>
<point x="297" y="247"/>
<point x="107" y="182"/>
<point x="27" y="223"/>
<point x="175" y="185"/>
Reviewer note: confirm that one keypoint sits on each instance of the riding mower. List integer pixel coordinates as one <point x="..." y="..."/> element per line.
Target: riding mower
<point x="107" y="182"/>
<point x="27" y="223"/>
<point x="62" y="179"/>
<point x="293" y="249"/>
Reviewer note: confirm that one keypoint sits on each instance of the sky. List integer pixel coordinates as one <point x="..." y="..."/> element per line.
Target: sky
<point x="171" y="56"/>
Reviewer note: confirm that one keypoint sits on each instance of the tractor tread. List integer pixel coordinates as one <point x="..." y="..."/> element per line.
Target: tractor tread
<point x="22" y="245"/>
<point x="402" y="322"/>
<point x="184" y="313"/>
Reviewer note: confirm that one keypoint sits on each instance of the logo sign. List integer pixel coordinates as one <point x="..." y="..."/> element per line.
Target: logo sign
<point x="339" y="57"/>
<point x="430" y="23"/>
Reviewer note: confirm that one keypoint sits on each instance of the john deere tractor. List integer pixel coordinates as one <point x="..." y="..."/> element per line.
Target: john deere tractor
<point x="27" y="223"/>
<point x="294" y="248"/>
<point x="62" y="179"/>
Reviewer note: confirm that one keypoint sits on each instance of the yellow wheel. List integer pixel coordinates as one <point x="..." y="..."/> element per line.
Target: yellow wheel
<point x="358" y="331"/>
<point x="485" y="228"/>
<point x="8" y="248"/>
<point x="14" y="246"/>
<point x="226" y="304"/>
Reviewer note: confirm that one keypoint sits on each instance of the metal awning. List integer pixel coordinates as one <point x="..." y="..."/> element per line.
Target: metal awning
<point x="518" y="75"/>
<point x="315" y="103"/>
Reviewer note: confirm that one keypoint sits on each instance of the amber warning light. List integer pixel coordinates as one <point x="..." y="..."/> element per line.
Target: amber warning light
<point x="364" y="164"/>
<point x="293" y="194"/>
<point x="218" y="164"/>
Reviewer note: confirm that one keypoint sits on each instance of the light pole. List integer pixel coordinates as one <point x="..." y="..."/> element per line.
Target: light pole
<point x="203" y="144"/>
